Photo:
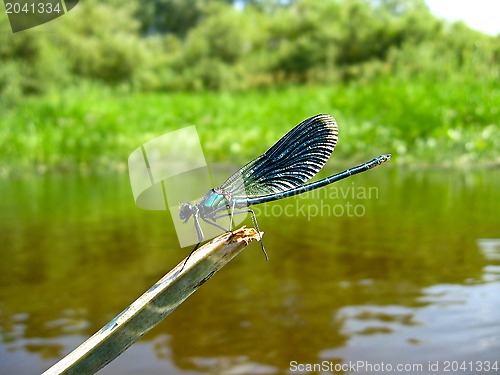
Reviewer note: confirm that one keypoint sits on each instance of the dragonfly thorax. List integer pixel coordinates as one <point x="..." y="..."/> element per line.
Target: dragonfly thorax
<point x="211" y="203"/>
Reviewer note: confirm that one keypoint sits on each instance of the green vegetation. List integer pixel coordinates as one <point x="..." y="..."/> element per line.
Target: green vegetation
<point x="85" y="90"/>
<point x="419" y="122"/>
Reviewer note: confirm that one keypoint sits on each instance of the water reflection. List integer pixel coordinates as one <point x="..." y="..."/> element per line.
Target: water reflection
<point x="407" y="281"/>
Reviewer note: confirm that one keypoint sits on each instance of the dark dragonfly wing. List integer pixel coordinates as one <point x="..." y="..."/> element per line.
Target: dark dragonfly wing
<point x="290" y="162"/>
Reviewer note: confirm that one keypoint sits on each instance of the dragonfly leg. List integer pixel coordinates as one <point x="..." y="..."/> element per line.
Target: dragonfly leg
<point x="189" y="256"/>
<point x="199" y="231"/>
<point x="255" y="223"/>
<point x="215" y="224"/>
<point x="230" y="213"/>
<point x="254" y="219"/>
<point x="231" y="209"/>
<point x="200" y="234"/>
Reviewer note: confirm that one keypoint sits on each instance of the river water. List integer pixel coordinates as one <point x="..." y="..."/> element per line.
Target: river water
<point x="388" y="271"/>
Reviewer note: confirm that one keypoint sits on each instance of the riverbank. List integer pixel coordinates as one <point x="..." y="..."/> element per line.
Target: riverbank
<point x="450" y="124"/>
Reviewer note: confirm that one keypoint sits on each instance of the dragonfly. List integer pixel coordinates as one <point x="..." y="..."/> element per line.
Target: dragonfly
<point x="280" y="172"/>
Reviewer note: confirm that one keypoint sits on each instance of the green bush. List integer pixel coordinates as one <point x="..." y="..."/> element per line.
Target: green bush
<point x="95" y="128"/>
<point x="222" y="47"/>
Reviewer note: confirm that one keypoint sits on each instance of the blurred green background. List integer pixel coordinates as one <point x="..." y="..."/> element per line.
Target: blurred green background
<point x="82" y="91"/>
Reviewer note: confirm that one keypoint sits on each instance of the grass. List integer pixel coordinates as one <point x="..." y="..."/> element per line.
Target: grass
<point x="95" y="128"/>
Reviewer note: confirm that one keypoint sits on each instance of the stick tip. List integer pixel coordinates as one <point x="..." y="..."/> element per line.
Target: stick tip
<point x="247" y="235"/>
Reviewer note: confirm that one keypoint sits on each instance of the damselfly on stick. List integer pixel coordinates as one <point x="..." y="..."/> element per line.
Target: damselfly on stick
<point x="281" y="172"/>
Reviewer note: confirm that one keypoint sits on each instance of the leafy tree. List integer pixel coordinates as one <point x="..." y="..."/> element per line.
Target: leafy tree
<point x="222" y="44"/>
<point x="29" y="63"/>
<point x="101" y="42"/>
<point x="213" y="49"/>
<point x="172" y="16"/>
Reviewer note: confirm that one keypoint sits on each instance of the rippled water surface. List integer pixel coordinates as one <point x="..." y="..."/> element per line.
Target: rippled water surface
<point x="386" y="268"/>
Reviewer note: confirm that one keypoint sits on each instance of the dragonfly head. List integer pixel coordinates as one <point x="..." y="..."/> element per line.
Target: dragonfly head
<point x="185" y="212"/>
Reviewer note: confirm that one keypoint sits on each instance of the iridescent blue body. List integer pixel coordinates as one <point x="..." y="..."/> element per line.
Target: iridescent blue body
<point x="281" y="172"/>
<point x="213" y="201"/>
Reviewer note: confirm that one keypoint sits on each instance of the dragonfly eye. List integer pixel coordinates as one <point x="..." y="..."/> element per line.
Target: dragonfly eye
<point x="185" y="211"/>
